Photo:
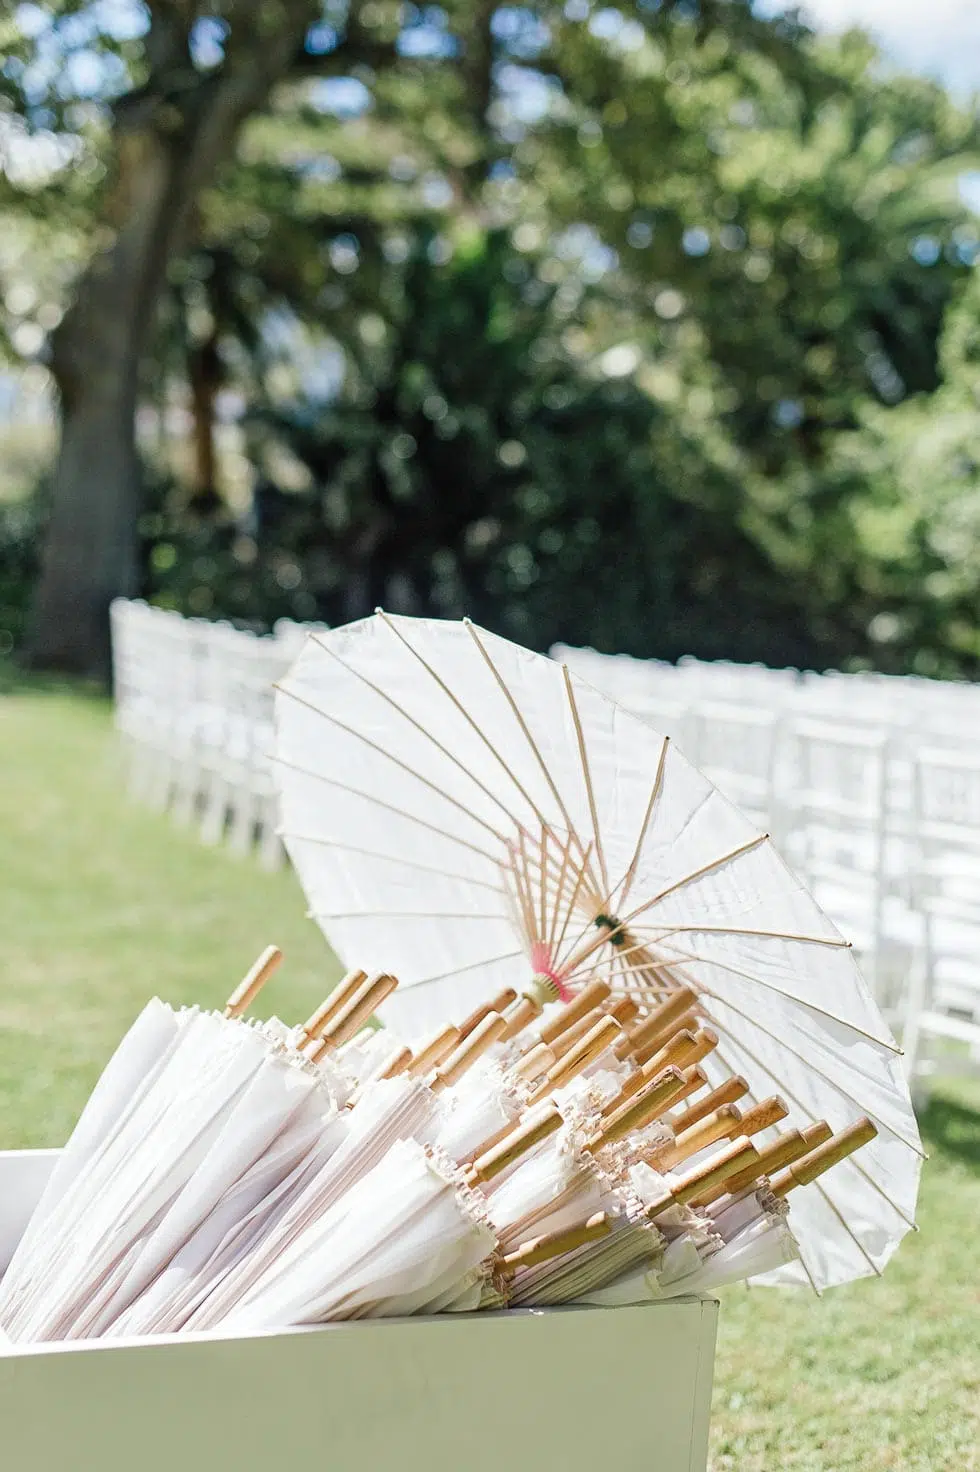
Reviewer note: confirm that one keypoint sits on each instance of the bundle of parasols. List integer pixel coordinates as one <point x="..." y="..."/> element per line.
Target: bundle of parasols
<point x="240" y="1175"/>
<point x="627" y="1057"/>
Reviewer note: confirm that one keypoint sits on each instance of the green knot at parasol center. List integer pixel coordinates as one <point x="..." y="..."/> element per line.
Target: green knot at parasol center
<point x="617" y="935"/>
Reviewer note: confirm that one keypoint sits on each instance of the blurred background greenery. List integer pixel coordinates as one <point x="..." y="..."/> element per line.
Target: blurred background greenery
<point x="651" y="326"/>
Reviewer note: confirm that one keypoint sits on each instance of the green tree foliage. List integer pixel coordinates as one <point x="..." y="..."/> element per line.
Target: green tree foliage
<point x="668" y="266"/>
<point x="906" y="485"/>
<point x="805" y="220"/>
<point x="472" y="463"/>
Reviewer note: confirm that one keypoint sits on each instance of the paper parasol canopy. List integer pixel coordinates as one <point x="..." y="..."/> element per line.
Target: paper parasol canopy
<point x="473" y="817"/>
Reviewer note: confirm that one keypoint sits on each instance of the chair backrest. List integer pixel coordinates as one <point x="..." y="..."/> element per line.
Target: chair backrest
<point x="628" y="681"/>
<point x="735" y="747"/>
<point x="835" y="772"/>
<point x="830" y="804"/>
<point x="669" y="717"/>
<point x="290" y="637"/>
<point x="946" y="798"/>
<point x="945" y="866"/>
<point x="128" y="620"/>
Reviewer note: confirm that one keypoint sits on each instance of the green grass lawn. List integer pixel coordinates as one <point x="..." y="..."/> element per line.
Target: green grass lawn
<point x="103" y="904"/>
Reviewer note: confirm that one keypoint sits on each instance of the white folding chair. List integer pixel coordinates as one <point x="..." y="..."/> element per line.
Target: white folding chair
<point x="831" y="811"/>
<point x="151" y="670"/>
<point x="747" y="685"/>
<point x="669" y="717"/>
<point x="648" y="688"/>
<point x="225" y="739"/>
<point x="255" y="814"/>
<point x="290" y="636"/>
<point x="943" y="1004"/>
<point x="202" y="718"/>
<point x="131" y="682"/>
<point x="734" y="746"/>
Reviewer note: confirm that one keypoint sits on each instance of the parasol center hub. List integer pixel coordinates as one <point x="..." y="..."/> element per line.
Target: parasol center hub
<point x="547" y="986"/>
<point x="617" y="935"/>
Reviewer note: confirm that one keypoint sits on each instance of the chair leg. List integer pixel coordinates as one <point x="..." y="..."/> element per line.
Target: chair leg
<point x="133" y="754"/>
<point x="215" y="814"/>
<point x="158" y="796"/>
<point x="145" y="757"/>
<point x="241" y="830"/>
<point x="920" y="980"/>
<point x="272" y="854"/>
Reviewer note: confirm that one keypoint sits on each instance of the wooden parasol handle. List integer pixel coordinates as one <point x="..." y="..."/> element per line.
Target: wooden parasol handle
<point x="314" y="1025"/>
<point x="740" y="1155"/>
<point x="829" y="1154"/>
<point x="725" y="1122"/>
<point x="567" y="1040"/>
<point x="764" y="1115"/>
<point x="483" y="1037"/>
<point x="589" y="997"/>
<point x="252" y="983"/>
<point x="356" y="1011"/>
<point x="534" y="1062"/>
<point x="596" y="1041"/>
<point x="500" y="1003"/>
<point x="663" y="1021"/>
<point x="641" y="1110"/>
<point x="435" y="1050"/>
<point x="520" y="1016"/>
<point x="783" y="1151"/>
<point x="729" y="1092"/>
<point x="516" y="1143"/>
<point x="554" y="1244"/>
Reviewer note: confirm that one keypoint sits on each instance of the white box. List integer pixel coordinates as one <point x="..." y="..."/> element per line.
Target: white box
<point x="555" y="1390"/>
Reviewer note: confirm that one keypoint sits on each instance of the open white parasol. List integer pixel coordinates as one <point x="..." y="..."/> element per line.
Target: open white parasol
<point x="475" y="817"/>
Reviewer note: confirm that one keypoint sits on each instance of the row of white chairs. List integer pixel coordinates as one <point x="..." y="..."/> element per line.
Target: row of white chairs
<point x="868" y="785"/>
<point x="193" y="702"/>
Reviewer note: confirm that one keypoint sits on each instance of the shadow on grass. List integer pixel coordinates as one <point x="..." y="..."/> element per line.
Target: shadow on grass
<point x="16" y="680"/>
<point x="952" y="1128"/>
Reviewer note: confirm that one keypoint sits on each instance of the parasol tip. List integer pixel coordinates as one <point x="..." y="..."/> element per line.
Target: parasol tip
<point x="253" y="981"/>
<point x="834" y="1150"/>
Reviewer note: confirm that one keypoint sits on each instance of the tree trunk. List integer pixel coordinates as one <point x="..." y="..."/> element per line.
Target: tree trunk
<point x="90" y="553"/>
<point x="170" y="139"/>
<point x="204" y="381"/>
